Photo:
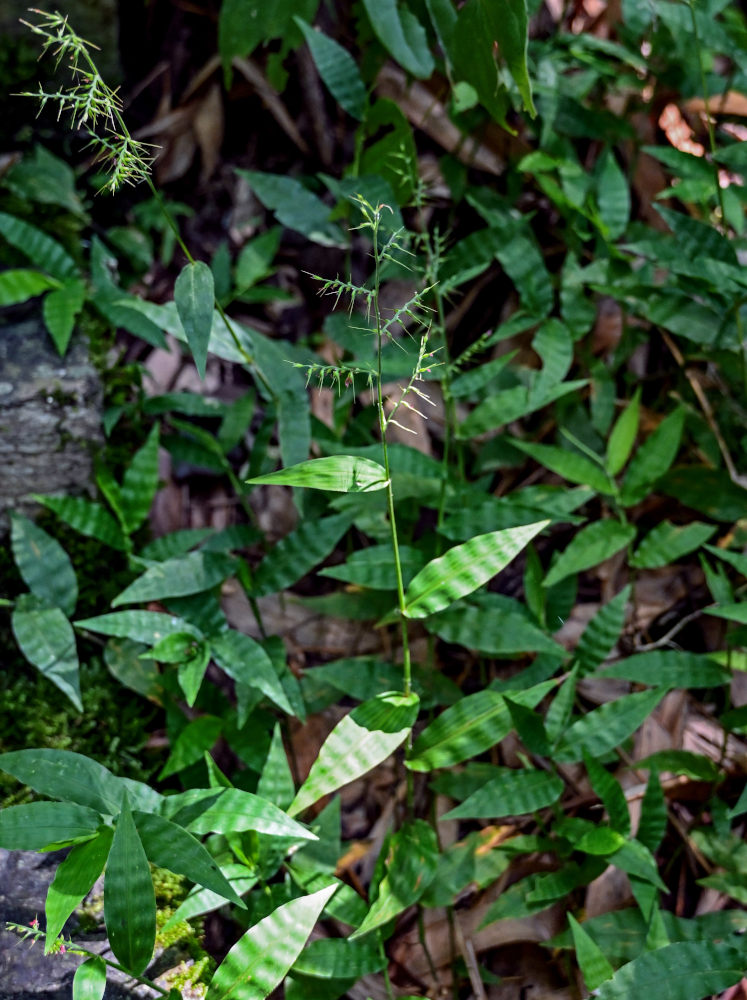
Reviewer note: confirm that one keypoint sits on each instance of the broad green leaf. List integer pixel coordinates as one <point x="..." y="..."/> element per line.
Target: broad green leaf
<point x="140" y="483"/>
<point x="299" y="552"/>
<point x="569" y="464"/>
<point x="170" y="846"/>
<point x="609" y="790"/>
<point x="559" y="713"/>
<point x="694" y="765"/>
<point x="39" y="825"/>
<point x="594" y="966"/>
<point x="613" y="199"/>
<point x="374" y="567"/>
<point x="653" y="822"/>
<point x="88" y="518"/>
<point x="46" y="639"/>
<point x="591" y="546"/>
<point x="530" y="727"/>
<point x="338" y="473"/>
<point x="295" y="207"/>
<point x="244" y="24"/>
<point x="476" y="65"/>
<point x="731" y="612"/>
<point x="688" y="970"/>
<point x="554" y="345"/>
<point x="410" y="865"/>
<point x="62" y="774"/>
<point x="494" y="624"/>
<point x="736" y="559"/>
<point x="470" y="727"/>
<point x="339" y="958"/>
<point x="337" y="68"/>
<point x="260" y="959"/>
<point x="607" y="726"/>
<point x="602" y="632"/>
<point x="200" y="901"/>
<point x="89" y="981"/>
<point x="507" y="24"/>
<point x="464" y="568"/>
<point x="248" y="663"/>
<point x="402" y="36"/>
<point x="43" y="564"/>
<point x="190" y="574"/>
<point x="652" y="459"/>
<point x="193" y="741"/>
<point x="512" y="404"/>
<point x="59" y="308"/>
<point x="600" y="840"/>
<point x="18" y="285"/>
<point x="73" y="881"/>
<point x="129" y="897"/>
<point x="148" y="627"/>
<point x="511" y="793"/>
<point x="276" y="781"/>
<point x="359" y="742"/>
<point x="194" y="295"/>
<point x="623" y="435"/>
<point x="669" y="668"/>
<point x="235" y="810"/>
<point x="41" y="250"/>
<point x="667" y="542"/>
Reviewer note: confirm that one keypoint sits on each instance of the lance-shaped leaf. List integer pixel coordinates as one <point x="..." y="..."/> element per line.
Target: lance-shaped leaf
<point x="669" y="668"/>
<point x="140" y="483"/>
<point x="470" y="727"/>
<point x="607" y="726"/>
<point x="569" y="464"/>
<point x="602" y="632"/>
<point x="259" y="960"/>
<point x="19" y="284"/>
<point x="511" y="793"/>
<point x="296" y="555"/>
<point x="404" y="37"/>
<point x="43" y="564"/>
<point x="194" y="294"/>
<point x="129" y="898"/>
<point x="337" y="68"/>
<point x="41" y="249"/>
<point x="591" y="546"/>
<point x="88" y="518"/>
<point x="190" y="574"/>
<point x="73" y="881"/>
<point x="36" y="825"/>
<point x="47" y="640"/>
<point x="594" y="966"/>
<point x="89" y="981"/>
<point x="171" y="846"/>
<point x="63" y="774"/>
<point x="623" y="434"/>
<point x="360" y="741"/>
<point x="668" y="542"/>
<point x="338" y="473"/>
<point x="235" y="811"/>
<point x="464" y="568"/>
<point x="60" y="308"/>
<point x="507" y="24"/>
<point x="243" y="659"/>
<point x="148" y="627"/>
<point x="339" y="958"/>
<point x="687" y="970"/>
<point x="411" y="864"/>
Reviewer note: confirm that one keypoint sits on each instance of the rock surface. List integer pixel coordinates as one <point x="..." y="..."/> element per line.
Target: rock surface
<point x="50" y="417"/>
<point x="26" y="973"/>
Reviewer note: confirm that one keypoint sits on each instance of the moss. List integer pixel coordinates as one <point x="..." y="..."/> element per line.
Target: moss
<point x="113" y="728"/>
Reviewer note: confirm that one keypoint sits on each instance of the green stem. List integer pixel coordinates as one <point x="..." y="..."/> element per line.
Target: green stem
<point x="406" y="667"/>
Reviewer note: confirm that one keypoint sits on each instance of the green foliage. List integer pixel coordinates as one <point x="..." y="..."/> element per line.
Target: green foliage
<point x="547" y="499"/>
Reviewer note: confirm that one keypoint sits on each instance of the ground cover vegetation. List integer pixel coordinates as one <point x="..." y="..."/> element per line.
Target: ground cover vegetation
<point x="453" y="690"/>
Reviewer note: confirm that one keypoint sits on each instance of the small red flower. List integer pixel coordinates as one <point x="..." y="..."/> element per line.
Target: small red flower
<point x="35" y="923"/>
